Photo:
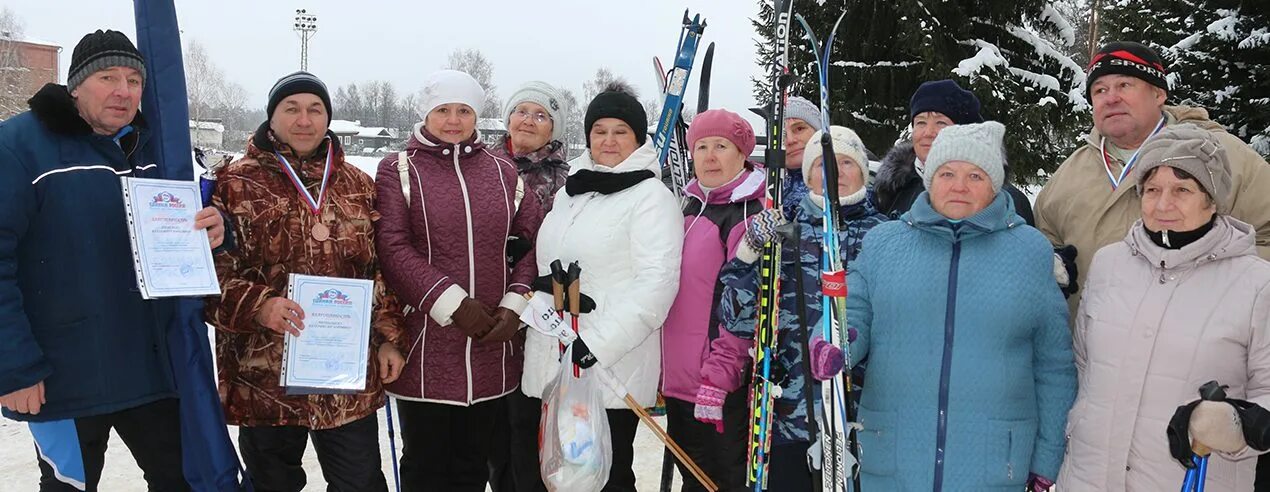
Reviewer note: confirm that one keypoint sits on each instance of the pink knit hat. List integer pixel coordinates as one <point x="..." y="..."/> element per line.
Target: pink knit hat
<point x="722" y="123"/>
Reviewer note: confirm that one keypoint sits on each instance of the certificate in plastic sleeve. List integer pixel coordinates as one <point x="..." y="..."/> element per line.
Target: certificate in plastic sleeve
<point x="333" y="350"/>
<point x="171" y="257"/>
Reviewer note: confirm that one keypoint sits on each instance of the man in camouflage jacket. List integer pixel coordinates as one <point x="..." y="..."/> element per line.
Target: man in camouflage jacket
<point x="280" y="235"/>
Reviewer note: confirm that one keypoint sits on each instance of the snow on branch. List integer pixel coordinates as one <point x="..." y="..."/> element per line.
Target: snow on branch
<point x="1065" y="29"/>
<point x="1225" y="27"/>
<point x="877" y="64"/>
<point x="1258" y="38"/>
<point x="1186" y="43"/>
<point x="987" y="56"/>
<point x="1044" y="49"/>
<point x="1043" y="81"/>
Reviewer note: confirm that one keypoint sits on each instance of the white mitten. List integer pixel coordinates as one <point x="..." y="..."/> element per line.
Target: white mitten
<point x="1216" y="425"/>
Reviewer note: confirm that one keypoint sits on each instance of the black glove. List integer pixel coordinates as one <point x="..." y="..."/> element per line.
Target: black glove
<point x="517" y="248"/>
<point x="543" y="284"/>
<point x="1067" y="255"/>
<point x="582" y="355"/>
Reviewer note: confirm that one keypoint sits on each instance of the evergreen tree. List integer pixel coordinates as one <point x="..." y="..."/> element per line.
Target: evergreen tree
<point x="885" y="50"/>
<point x="1218" y="52"/>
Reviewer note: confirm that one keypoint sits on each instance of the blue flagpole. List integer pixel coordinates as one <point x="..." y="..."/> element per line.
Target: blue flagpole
<point x="209" y="460"/>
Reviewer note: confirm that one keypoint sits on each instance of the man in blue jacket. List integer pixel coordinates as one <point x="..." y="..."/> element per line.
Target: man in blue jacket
<point x="78" y="344"/>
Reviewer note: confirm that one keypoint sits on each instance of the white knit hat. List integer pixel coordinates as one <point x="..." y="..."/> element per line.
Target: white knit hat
<point x="981" y="144"/>
<point x="449" y="86"/>
<point x="845" y="142"/>
<point x="545" y="95"/>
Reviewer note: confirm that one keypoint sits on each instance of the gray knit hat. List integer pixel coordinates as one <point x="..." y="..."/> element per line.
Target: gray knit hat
<point x="797" y="108"/>
<point x="981" y="144"/>
<point x="100" y="50"/>
<point x="1194" y="150"/>
<point x="545" y="95"/>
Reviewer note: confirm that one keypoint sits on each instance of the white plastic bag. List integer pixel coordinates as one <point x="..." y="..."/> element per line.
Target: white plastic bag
<point x="575" y="450"/>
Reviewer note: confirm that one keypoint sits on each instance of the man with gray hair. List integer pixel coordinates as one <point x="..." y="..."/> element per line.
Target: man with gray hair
<point x="81" y="352"/>
<point x="1086" y="205"/>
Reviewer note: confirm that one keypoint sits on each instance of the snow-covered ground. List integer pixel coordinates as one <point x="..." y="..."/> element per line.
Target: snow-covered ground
<point x="18" y="471"/>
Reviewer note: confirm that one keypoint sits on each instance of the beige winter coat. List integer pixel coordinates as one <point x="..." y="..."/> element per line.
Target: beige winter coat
<point x="1147" y="337"/>
<point x="1078" y="206"/>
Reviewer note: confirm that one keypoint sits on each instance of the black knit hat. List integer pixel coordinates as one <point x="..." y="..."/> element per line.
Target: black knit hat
<point x="947" y="98"/>
<point x="101" y="50"/>
<point x="300" y="82"/>
<point x="1127" y="58"/>
<point x="617" y="101"/>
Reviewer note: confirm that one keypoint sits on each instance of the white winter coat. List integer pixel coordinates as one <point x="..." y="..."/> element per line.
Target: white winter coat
<point x="1147" y="337"/>
<point x="628" y="244"/>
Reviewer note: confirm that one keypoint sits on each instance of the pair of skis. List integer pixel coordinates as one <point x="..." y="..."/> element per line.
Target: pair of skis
<point x="680" y="157"/>
<point x="763" y="391"/>
<point x="670" y="139"/>
<point x="828" y="457"/>
<point x="837" y="463"/>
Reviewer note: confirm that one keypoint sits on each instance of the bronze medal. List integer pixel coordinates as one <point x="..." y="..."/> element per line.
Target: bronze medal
<point x="321" y="232"/>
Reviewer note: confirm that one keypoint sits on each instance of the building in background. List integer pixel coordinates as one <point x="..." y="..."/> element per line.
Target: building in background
<point x="207" y="134"/>
<point x="25" y="65"/>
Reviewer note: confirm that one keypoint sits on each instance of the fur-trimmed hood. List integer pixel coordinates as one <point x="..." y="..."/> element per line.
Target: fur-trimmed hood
<point x="898" y="168"/>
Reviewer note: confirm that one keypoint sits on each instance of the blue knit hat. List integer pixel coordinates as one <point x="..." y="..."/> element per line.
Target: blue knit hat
<point x="947" y="98"/>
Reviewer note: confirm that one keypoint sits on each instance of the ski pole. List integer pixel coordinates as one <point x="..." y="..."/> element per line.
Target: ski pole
<point x="679" y="453"/>
<point x="1196" y="475"/>
<point x="557" y="292"/>
<point x="575" y="302"/>
<point x="392" y="442"/>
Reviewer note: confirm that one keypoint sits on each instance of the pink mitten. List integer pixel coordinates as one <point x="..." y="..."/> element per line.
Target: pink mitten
<point x="826" y="359"/>
<point x="1037" y="483"/>
<point x="709" y="407"/>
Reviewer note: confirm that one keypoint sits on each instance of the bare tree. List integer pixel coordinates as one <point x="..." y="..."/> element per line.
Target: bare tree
<point x="386" y="106"/>
<point x="603" y="79"/>
<point x="474" y="63"/>
<point x="652" y="110"/>
<point x="208" y="93"/>
<point x="350" y="102"/>
<point x="574" y="134"/>
<point x="12" y="70"/>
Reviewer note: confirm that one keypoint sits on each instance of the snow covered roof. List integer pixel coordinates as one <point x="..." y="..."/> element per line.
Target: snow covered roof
<point x="345" y="127"/>
<point x="375" y="132"/>
<point x="207" y="125"/>
<point x="29" y="40"/>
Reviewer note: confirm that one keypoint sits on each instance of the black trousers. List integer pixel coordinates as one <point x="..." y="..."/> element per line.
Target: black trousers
<point x="501" y="478"/>
<point x="526" y="413"/>
<point x="152" y="433"/>
<point x="349" y="456"/>
<point x="446" y="448"/>
<point x="720" y="455"/>
<point x="787" y="467"/>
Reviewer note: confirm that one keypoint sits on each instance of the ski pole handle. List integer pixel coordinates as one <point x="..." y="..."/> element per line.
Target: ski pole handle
<point x="575" y="302"/>
<point x="557" y="285"/>
<point x="575" y="288"/>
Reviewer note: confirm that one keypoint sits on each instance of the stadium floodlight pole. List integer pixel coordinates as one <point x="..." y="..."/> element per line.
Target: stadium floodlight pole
<point x="305" y="26"/>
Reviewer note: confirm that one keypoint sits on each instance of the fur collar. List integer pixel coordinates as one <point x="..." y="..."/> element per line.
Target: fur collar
<point x="55" y="108"/>
<point x="897" y="170"/>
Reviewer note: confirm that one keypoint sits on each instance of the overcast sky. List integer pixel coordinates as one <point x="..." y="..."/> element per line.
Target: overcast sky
<point x="561" y="42"/>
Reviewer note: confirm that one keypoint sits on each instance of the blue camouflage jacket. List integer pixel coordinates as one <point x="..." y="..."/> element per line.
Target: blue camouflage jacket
<point x="738" y="308"/>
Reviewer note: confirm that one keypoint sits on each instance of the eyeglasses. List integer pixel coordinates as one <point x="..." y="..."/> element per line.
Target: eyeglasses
<point x="539" y="117"/>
